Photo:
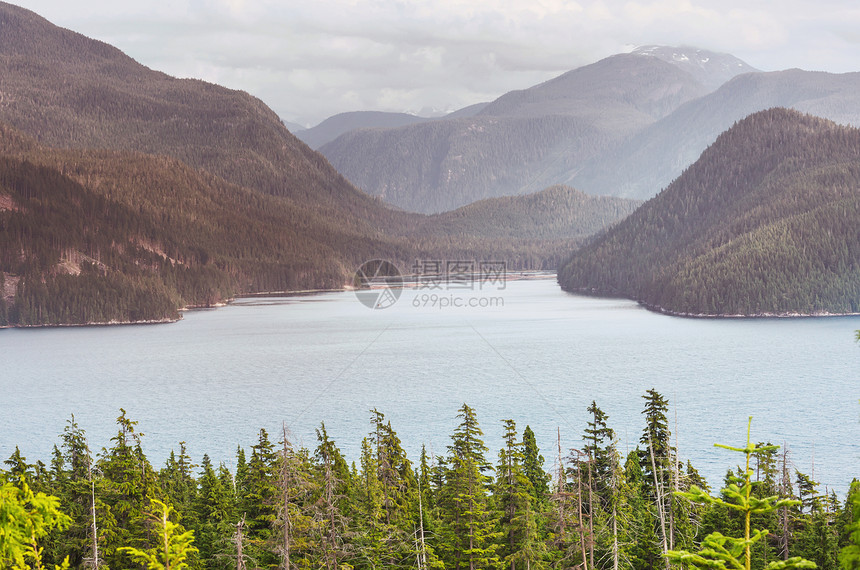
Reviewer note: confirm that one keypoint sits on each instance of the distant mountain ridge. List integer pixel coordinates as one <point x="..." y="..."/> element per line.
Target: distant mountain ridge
<point x="763" y="223"/>
<point x="525" y="140"/>
<point x="709" y="68"/>
<point x="126" y="194"/>
<point x="647" y="162"/>
<point x="336" y="125"/>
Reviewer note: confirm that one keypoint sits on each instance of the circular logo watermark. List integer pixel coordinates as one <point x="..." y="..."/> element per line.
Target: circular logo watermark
<point x="378" y="284"/>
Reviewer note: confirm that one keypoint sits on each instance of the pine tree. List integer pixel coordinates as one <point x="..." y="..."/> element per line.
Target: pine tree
<point x="74" y="485"/>
<point x="656" y="462"/>
<point x="259" y="502"/>
<point x="214" y="515"/>
<point x="126" y="486"/>
<point x="513" y="497"/>
<point x="371" y="540"/>
<point x="466" y="507"/>
<point x="598" y="439"/>
<point x="25" y="519"/>
<point x="174" y="545"/>
<point x="177" y="482"/>
<point x="335" y="489"/>
<point x="533" y="467"/>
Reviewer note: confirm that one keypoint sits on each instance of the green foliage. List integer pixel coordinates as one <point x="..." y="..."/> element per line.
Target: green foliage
<point x="465" y="499"/>
<point x="175" y="544"/>
<point x="849" y="557"/>
<point x="719" y="551"/>
<point x="25" y="519"/>
<point x="454" y="511"/>
<point x="533" y="467"/>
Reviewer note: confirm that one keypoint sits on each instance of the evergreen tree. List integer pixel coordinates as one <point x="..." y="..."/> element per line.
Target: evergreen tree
<point x="259" y="502"/>
<point x="513" y="494"/>
<point x="720" y="551"/>
<point x="174" y="545"/>
<point x="598" y="439"/>
<point x="25" y="519"/>
<point x="533" y="467"/>
<point x="466" y="505"/>
<point x="214" y="515"/>
<point x="179" y="487"/>
<point x="126" y="485"/>
<point x="74" y="486"/>
<point x="332" y="502"/>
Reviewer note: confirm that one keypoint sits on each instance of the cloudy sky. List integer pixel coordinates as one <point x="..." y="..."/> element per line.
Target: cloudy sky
<point x="309" y="59"/>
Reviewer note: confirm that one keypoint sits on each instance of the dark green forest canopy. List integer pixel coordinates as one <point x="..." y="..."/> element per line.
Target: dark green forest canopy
<point x="765" y="222"/>
<point x="469" y="507"/>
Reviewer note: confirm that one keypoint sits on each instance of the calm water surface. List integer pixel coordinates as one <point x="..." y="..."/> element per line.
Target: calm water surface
<point x="216" y="377"/>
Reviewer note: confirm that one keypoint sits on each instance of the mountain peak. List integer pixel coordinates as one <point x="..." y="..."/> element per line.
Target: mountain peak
<point x="710" y="68"/>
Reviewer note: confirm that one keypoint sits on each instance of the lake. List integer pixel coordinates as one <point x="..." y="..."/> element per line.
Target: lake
<point x="527" y="351"/>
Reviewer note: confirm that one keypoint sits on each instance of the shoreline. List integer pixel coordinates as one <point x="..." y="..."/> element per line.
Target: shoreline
<point x="164" y="321"/>
<point x="685" y="315"/>
<point x="409" y="283"/>
<point x="782" y="315"/>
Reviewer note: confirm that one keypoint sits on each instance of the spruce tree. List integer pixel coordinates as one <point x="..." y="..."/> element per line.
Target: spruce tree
<point x="259" y="503"/>
<point x="331" y="505"/>
<point x="126" y="486"/>
<point x="513" y="494"/>
<point x="533" y="468"/>
<point x="214" y="515"/>
<point x="466" y="509"/>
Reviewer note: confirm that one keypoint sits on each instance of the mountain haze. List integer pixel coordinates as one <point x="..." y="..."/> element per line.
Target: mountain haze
<point x="764" y="222"/>
<point x="70" y="91"/>
<point x="336" y="125"/>
<point x="126" y="194"/>
<point x="525" y="140"/>
<point x="642" y="165"/>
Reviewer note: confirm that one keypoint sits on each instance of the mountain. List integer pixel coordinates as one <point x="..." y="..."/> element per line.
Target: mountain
<point x="116" y="236"/>
<point x="520" y="143"/>
<point x="558" y="213"/>
<point x="293" y="127"/>
<point x="711" y="69"/>
<point x="126" y="194"/>
<point x="69" y="91"/>
<point x="764" y="222"/>
<point x="642" y="165"/>
<point x="337" y="125"/>
<point x="468" y="111"/>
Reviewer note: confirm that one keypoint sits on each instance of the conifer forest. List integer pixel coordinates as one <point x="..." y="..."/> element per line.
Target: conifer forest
<point x="284" y="506"/>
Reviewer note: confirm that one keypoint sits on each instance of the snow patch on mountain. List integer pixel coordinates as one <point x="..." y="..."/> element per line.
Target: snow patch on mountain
<point x="712" y="69"/>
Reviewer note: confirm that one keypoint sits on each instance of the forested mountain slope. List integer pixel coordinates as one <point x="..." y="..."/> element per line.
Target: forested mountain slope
<point x="334" y="126"/>
<point x="765" y="222"/>
<point x="644" y="164"/>
<point x="523" y="142"/>
<point x="115" y="236"/>
<point x="69" y="91"/>
<point x="126" y="194"/>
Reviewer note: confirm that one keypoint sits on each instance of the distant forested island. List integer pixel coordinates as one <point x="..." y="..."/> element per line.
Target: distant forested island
<point x="293" y="507"/>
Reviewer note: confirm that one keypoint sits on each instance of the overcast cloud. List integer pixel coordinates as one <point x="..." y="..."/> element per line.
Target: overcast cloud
<point x="309" y="59"/>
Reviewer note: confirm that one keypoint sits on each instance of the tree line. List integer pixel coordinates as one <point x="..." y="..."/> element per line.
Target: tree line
<point x="284" y="506"/>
